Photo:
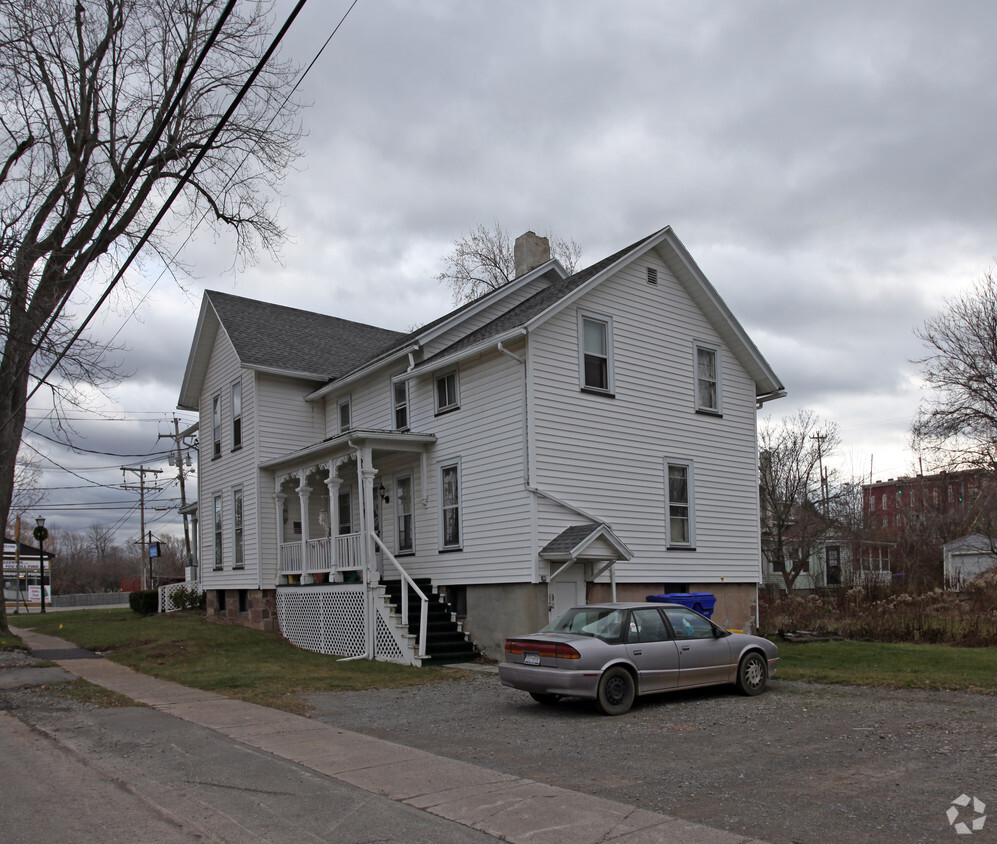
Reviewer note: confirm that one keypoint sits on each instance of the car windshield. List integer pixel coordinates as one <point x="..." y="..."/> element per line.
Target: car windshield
<point x="599" y="622"/>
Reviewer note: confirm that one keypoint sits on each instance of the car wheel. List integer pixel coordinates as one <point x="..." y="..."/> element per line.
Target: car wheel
<point x="544" y="698"/>
<point x="752" y="674"/>
<point x="616" y="691"/>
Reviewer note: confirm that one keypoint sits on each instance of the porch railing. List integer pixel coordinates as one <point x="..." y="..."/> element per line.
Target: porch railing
<point x="319" y="556"/>
<point x="424" y="609"/>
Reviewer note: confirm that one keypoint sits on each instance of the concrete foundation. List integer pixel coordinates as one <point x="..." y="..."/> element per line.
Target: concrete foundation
<point x="255" y="608"/>
<point x="496" y="612"/>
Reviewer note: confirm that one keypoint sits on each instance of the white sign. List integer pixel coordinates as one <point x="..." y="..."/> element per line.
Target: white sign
<point x="35" y="593"/>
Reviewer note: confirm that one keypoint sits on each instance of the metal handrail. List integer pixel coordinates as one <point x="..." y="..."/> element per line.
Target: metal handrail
<point x="424" y="610"/>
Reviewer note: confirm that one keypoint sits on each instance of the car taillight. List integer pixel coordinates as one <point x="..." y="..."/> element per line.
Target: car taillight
<point x="558" y="650"/>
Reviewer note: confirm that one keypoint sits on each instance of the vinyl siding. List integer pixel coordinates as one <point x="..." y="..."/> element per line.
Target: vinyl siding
<point x="607" y="455"/>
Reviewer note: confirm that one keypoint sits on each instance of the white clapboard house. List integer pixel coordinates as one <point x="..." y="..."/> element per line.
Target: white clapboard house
<point x="563" y="439"/>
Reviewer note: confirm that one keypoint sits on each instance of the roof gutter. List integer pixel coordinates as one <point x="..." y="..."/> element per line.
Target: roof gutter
<point x="470" y="352"/>
<point x="776" y="394"/>
<point x="357" y="374"/>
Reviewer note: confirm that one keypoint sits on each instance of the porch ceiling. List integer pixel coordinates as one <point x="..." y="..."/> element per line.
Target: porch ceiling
<point x="379" y="442"/>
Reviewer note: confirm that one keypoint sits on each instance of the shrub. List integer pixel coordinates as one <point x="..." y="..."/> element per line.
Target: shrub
<point x="144" y="601"/>
<point x="188" y="598"/>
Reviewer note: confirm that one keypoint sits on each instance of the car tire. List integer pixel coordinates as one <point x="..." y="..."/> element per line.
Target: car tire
<point x="752" y="674"/>
<point x="545" y="698"/>
<point x="616" y="691"/>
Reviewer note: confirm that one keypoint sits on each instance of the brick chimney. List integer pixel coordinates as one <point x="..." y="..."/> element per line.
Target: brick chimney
<point x="530" y="252"/>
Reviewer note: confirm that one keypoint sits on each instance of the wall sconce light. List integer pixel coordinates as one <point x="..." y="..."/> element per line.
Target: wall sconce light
<point x="382" y="492"/>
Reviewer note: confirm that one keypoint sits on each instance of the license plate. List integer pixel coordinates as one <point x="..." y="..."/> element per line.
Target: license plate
<point x="531" y="659"/>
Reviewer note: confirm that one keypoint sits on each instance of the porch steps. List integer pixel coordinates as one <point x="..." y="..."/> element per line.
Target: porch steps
<point x="446" y="643"/>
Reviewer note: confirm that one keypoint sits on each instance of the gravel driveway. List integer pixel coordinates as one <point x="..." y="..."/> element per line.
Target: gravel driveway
<point x="800" y="763"/>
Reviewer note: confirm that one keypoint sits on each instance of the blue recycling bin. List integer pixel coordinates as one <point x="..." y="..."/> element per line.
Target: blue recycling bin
<point x="701" y="602"/>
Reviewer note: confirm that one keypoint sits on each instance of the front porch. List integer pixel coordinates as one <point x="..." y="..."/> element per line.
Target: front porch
<point x="335" y="521"/>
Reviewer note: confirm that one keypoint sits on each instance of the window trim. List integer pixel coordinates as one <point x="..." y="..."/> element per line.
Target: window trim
<point x="455" y="403"/>
<point x="443" y="507"/>
<point x="216" y="426"/>
<point x="238" y="529"/>
<point x="403" y="406"/>
<point x="218" y="547"/>
<point x="399" y="513"/>
<point x="340" y="405"/>
<point x="347" y="493"/>
<point x="236" y="396"/>
<point x="607" y="323"/>
<point x="690" y="504"/>
<point x="717" y="379"/>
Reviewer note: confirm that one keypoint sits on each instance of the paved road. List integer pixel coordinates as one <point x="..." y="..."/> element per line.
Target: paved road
<point x="191" y="765"/>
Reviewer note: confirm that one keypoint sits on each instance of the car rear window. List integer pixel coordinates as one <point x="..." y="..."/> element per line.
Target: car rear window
<point x="600" y="623"/>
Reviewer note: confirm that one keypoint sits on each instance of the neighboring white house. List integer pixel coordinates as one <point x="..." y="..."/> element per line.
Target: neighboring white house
<point x="967" y="557"/>
<point x="836" y="561"/>
<point x="562" y="439"/>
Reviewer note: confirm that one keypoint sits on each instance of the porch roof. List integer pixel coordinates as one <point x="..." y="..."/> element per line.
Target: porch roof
<point x="341" y="444"/>
<point x="585" y="542"/>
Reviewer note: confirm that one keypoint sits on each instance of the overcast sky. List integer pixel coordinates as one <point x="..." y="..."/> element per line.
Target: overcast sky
<point x="829" y="166"/>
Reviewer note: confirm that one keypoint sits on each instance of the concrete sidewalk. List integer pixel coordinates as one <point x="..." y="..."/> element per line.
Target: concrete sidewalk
<point x="507" y="807"/>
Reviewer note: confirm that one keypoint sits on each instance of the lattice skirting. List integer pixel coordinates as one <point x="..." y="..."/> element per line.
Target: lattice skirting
<point x="332" y="620"/>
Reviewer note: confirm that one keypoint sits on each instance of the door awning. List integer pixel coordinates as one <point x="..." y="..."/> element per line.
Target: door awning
<point x="586" y="542"/>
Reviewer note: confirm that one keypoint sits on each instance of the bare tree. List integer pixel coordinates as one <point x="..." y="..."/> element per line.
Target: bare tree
<point x="484" y="259"/>
<point x="95" y="132"/>
<point x="795" y="490"/>
<point x="957" y="422"/>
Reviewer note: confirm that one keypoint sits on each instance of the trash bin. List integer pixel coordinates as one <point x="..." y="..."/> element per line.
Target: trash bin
<point x="701" y="602"/>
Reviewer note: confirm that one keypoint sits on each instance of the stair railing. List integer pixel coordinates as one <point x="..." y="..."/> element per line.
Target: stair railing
<point x="424" y="610"/>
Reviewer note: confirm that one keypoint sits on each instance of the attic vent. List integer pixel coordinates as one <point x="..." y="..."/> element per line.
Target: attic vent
<point x="652" y="275"/>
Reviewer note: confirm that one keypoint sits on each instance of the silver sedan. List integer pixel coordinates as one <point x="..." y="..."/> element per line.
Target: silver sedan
<point x="611" y="653"/>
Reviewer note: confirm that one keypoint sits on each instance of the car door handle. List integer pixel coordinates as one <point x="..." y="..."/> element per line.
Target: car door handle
<point x="685" y="647"/>
<point x="637" y="652"/>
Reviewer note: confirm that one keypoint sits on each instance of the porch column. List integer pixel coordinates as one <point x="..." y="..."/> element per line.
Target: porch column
<point x="333" y="482"/>
<point x="279" y="500"/>
<point x="303" y="492"/>
<point x="367" y="475"/>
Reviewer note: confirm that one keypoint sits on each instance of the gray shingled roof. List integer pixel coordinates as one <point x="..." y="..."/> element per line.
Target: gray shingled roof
<point x="289" y="339"/>
<point x="566" y="541"/>
<point x="539" y="302"/>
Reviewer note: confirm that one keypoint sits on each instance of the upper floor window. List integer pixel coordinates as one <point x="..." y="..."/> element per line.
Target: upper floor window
<point x="679" y="504"/>
<point x="399" y="403"/>
<point x="237" y="415"/>
<point x="447" y="392"/>
<point x="450" y="536"/>
<point x="596" y="353"/>
<point x="707" y="379"/>
<point x="238" y="555"/>
<point x="216" y="426"/>
<point x="344" y="416"/>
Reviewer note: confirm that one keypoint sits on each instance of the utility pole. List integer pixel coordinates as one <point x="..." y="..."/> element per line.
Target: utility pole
<point x="178" y="461"/>
<point x="141" y="471"/>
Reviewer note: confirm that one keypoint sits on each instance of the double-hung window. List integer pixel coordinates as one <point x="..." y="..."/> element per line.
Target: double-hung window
<point x="450" y="527"/>
<point x="344" y="512"/>
<point x="236" y="415"/>
<point x="216" y="426"/>
<point x="218" y="532"/>
<point x="344" y="416"/>
<point x="707" y="379"/>
<point x="595" y="336"/>
<point x="679" y="501"/>
<point x="399" y="403"/>
<point x="447" y="391"/>
<point x="403" y="513"/>
<point x="238" y="545"/>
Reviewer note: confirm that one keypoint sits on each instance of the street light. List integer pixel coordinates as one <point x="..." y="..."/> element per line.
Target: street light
<point x="41" y="535"/>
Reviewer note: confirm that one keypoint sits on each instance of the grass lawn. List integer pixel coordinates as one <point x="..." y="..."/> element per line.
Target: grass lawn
<point x="234" y="661"/>
<point x="894" y="665"/>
